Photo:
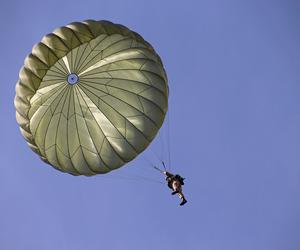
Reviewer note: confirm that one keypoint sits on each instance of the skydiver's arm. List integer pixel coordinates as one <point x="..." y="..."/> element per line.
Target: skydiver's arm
<point x="168" y="174"/>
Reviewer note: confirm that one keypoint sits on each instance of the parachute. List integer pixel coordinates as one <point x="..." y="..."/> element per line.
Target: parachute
<point x="90" y="97"/>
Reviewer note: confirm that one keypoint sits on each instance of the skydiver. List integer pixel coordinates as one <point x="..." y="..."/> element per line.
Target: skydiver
<point x="175" y="182"/>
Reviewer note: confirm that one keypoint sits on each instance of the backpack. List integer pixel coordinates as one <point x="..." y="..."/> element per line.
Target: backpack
<point x="180" y="179"/>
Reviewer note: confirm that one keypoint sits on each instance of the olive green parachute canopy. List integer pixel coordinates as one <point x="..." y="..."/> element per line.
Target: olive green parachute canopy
<point x="91" y="96"/>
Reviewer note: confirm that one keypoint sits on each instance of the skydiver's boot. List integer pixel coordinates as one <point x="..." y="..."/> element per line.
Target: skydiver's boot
<point x="183" y="202"/>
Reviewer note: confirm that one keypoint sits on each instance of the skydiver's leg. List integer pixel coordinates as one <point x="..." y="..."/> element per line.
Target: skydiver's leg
<point x="178" y="190"/>
<point x="183" y="200"/>
<point x="176" y="186"/>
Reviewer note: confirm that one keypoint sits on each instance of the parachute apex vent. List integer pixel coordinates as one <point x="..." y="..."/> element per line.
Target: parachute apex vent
<point x="72" y="78"/>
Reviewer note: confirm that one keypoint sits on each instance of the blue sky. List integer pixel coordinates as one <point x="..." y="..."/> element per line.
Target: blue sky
<point x="233" y="69"/>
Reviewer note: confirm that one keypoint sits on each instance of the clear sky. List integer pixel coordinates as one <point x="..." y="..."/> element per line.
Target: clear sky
<point x="233" y="69"/>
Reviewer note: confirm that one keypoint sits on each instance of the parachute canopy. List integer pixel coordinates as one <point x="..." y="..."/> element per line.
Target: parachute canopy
<point x="91" y="96"/>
